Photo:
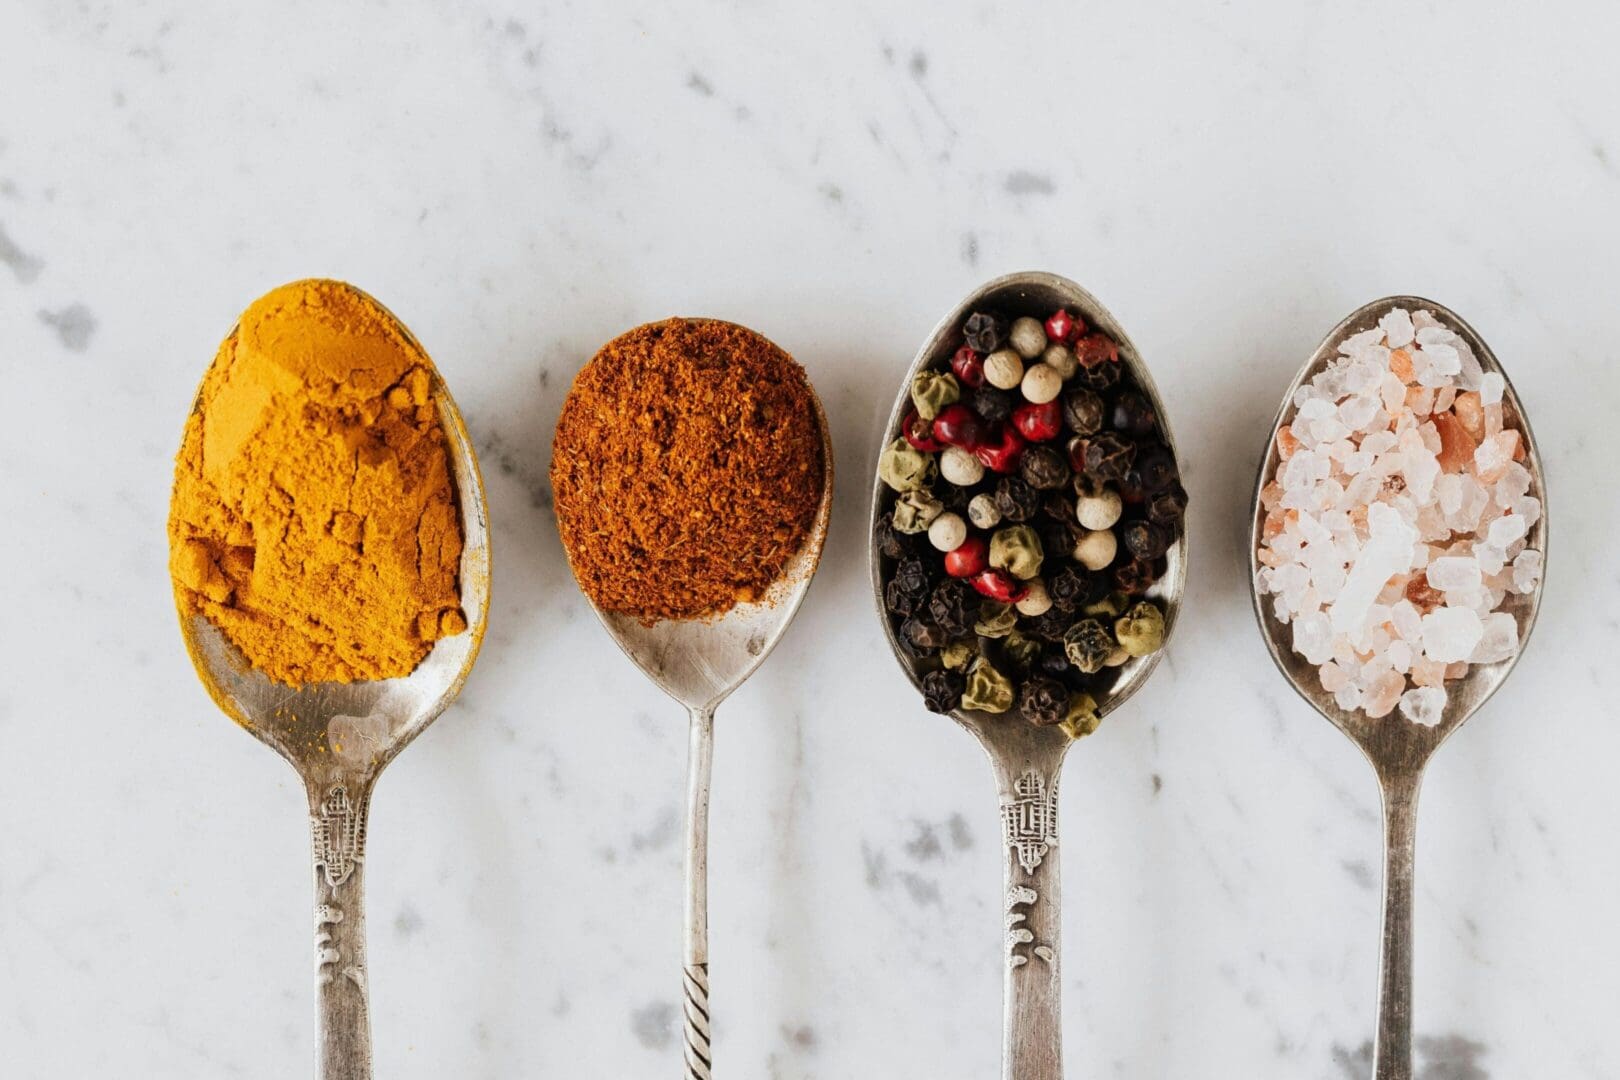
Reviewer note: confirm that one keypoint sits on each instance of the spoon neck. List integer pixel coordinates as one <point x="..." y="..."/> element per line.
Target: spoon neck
<point x="1393" y="1054"/>
<point x="695" y="959"/>
<point x="338" y="825"/>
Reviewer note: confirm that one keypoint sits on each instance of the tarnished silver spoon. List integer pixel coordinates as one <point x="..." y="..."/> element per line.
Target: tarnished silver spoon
<point x="699" y="663"/>
<point x="1398" y="749"/>
<point x="339" y="736"/>
<point x="1027" y="759"/>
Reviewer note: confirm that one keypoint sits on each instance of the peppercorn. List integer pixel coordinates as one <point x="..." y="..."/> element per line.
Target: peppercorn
<point x="947" y="532"/>
<point x="913" y="637"/>
<point x="985" y="331"/>
<point x="1141" y="630"/>
<point x="1021" y="651"/>
<point x="953" y="497"/>
<point x="1049" y="626"/>
<point x="1083" y="717"/>
<point x="923" y="633"/>
<point x="899" y="601"/>
<point x="1002" y="453"/>
<point x="994" y="406"/>
<point x="1168" y="506"/>
<point x="1061" y="326"/>
<point x="1041" y="384"/>
<point x="1044" y="702"/>
<point x="999" y="585"/>
<point x="957" y="655"/>
<point x="1097" y="550"/>
<point x="982" y="511"/>
<point x="1027" y="337"/>
<point x="1058" y="538"/>
<point x="1110" y="605"/>
<point x="988" y="690"/>
<point x="1043" y="468"/>
<point x="1155" y="466"/>
<point x="1060" y="358"/>
<point x="1098" y="377"/>
<point x="1037" y="601"/>
<point x="1094" y="350"/>
<point x="959" y="425"/>
<point x="1004" y="369"/>
<point x="932" y="390"/>
<point x="1088" y="644"/>
<point x="969" y="558"/>
<point x="1055" y="662"/>
<point x="1059" y="507"/>
<point x="1017" y="550"/>
<point x="1135" y="576"/>
<point x="1016" y="500"/>
<point x="942" y="690"/>
<point x="960" y="467"/>
<point x="1109" y="456"/>
<point x="1144" y="539"/>
<point x="1072" y="589"/>
<point x="1099" y="506"/>
<point x="1038" y="422"/>
<point x="891" y="541"/>
<point x="954" y="607"/>
<point x="914" y="511"/>
<point x="919" y="433"/>
<point x="996" y="619"/>
<point x="1083" y="409"/>
<point x="968" y="366"/>
<point x="1134" y="414"/>
<point x="904" y="468"/>
<point x="914" y="577"/>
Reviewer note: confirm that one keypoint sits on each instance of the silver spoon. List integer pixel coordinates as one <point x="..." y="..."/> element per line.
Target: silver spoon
<point x="1398" y="749"/>
<point x="1027" y="759"/>
<point x="699" y="663"/>
<point x="339" y="736"/>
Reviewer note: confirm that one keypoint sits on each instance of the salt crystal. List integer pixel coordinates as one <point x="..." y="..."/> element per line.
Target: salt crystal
<point x="1357" y="412"/>
<point x="1491" y="385"/>
<point x="1397" y="327"/>
<point x="1399" y="655"/>
<point x="1404" y="616"/>
<point x="1380" y="698"/>
<point x="1514" y="483"/>
<point x="1499" y="641"/>
<point x="1348" y="698"/>
<point x="1454" y="574"/>
<point x="1356" y="342"/>
<point x="1506" y="529"/>
<point x="1442" y="358"/>
<point x="1450" y="634"/>
<point x="1425" y="705"/>
<point x="1313" y="638"/>
<point x="1527" y="507"/>
<point x="1388" y="552"/>
<point x="1491" y="558"/>
<point x="1424" y="320"/>
<point x="1334" y="678"/>
<point x="1527" y="571"/>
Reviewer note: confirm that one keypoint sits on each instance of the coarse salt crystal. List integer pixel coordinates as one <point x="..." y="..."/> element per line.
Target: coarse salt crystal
<point x="1424" y="705"/>
<point x="1450" y="634"/>
<point x="1499" y="641"/>
<point x="1454" y="573"/>
<point x="1397" y="327"/>
<point x="1491" y="385"/>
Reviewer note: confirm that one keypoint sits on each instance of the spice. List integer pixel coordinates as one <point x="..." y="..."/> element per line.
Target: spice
<point x="1056" y="486"/>
<point x="688" y="469"/>
<point x="314" y="516"/>
<point x="1395" y="584"/>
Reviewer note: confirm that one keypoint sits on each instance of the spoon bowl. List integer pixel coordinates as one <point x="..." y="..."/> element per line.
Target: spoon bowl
<point x="699" y="663"/>
<point x="1397" y="749"/>
<point x="339" y="737"/>
<point x="1027" y="759"/>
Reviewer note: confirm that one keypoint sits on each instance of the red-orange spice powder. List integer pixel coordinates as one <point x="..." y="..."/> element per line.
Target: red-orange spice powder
<point x="687" y="469"/>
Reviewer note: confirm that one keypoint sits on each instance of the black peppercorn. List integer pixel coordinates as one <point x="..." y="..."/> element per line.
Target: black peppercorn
<point x="952" y="497"/>
<point x="1099" y="377"/>
<point x="1083" y="411"/>
<point x="1073" y="588"/>
<point x="1043" y="468"/>
<point x="954" y="607"/>
<point x="923" y="633"/>
<point x="1016" y="500"/>
<point x="1133" y="414"/>
<point x="1089" y="645"/>
<point x="1145" y="540"/>
<point x="942" y="690"/>
<point x="1044" y="701"/>
<point x="1058" y="538"/>
<point x="1155" y="466"/>
<point x="1135" y="576"/>
<point x="1049" y="625"/>
<point x="891" y="541"/>
<point x="1059" y="506"/>
<point x="1109" y="456"/>
<point x="993" y="405"/>
<point x="985" y="331"/>
<point x="1055" y="662"/>
<point x="1168" y="506"/>
<point x="899" y="601"/>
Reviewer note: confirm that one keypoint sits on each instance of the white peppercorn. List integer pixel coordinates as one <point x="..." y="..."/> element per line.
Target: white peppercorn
<point x="947" y="531"/>
<point x="1028" y="337"/>
<point x="960" y="467"/>
<point x="1004" y="369"/>
<point x="1041" y="383"/>
<point x="1096" y="550"/>
<point x="983" y="513"/>
<point x="1037" y="601"/>
<point x="1099" y="511"/>
<point x="1061" y="359"/>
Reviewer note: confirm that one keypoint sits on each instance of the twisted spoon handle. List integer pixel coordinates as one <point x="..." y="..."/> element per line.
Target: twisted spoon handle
<point x="1032" y="1046"/>
<point x="1392" y="1058"/>
<point x="338" y="814"/>
<point x="695" y="982"/>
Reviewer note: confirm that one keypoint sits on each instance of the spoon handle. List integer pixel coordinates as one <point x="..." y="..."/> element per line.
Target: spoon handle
<point x="695" y="978"/>
<point x="1392" y="1058"/>
<point x="1033" y="1032"/>
<point x="338" y="813"/>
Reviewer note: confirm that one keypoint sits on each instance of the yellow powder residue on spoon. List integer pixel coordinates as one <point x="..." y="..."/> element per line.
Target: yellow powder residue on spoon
<point x="314" y="515"/>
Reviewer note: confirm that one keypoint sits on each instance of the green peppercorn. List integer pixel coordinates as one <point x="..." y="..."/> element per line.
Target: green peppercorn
<point x="931" y="391"/>
<point x="915" y="510"/>
<point x="1017" y="550"/>
<point x="957" y="655"/>
<point x="1111" y="606"/>
<point x="1141" y="629"/>
<point x="905" y="468"/>
<point x="1088" y="644"/>
<point x="1022" y="651"/>
<point x="1082" y="719"/>
<point x="996" y="620"/>
<point x="988" y="690"/>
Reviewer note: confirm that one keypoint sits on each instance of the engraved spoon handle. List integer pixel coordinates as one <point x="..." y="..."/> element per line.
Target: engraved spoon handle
<point x="342" y="1014"/>
<point x="695" y="978"/>
<point x="1033" y="1031"/>
<point x="1392" y="1058"/>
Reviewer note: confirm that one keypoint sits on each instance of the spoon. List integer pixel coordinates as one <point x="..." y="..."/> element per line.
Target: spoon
<point x="1027" y="759"/>
<point x="1398" y="749"/>
<point x="339" y="736"/>
<point x="699" y="663"/>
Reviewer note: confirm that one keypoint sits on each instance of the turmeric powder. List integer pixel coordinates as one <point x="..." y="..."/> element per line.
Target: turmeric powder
<point x="314" y="517"/>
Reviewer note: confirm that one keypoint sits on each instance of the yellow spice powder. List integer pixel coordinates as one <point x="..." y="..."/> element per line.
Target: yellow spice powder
<point x="314" y="516"/>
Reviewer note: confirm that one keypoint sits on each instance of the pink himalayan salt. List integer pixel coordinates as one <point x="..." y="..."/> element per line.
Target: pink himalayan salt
<point x="1383" y="695"/>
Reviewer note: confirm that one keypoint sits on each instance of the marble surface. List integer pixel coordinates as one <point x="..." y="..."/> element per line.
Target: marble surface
<point x="522" y="182"/>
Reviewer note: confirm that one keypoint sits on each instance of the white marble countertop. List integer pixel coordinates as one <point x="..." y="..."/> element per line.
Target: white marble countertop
<point x="520" y="183"/>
